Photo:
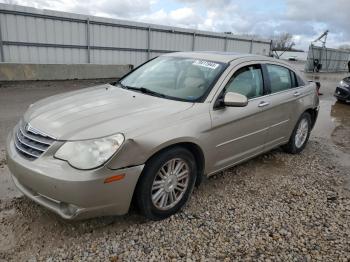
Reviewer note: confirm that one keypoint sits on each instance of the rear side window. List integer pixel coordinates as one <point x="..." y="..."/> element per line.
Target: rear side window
<point x="300" y="82"/>
<point x="247" y="81"/>
<point x="294" y="79"/>
<point x="280" y="78"/>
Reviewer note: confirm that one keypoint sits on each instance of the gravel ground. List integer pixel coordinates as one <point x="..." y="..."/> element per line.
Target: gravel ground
<point x="276" y="207"/>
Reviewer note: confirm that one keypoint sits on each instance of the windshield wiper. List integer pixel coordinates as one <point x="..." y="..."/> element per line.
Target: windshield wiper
<point x="121" y="85"/>
<point x="143" y="90"/>
<point x="150" y="92"/>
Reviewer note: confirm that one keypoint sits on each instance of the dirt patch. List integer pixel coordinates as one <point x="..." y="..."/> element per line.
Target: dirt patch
<point x="2" y="163"/>
<point x="7" y="187"/>
<point x="2" y="158"/>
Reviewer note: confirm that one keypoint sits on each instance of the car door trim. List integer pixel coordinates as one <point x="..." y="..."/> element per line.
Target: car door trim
<point x="237" y="162"/>
<point x="252" y="133"/>
<point x="265" y="149"/>
<point x="240" y="137"/>
<point x="281" y="92"/>
<point x="279" y="123"/>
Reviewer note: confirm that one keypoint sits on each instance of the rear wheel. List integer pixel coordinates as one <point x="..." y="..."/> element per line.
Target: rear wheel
<point x="166" y="183"/>
<point x="300" y="135"/>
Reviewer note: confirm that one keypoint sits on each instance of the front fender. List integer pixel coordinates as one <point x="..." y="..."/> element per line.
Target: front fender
<point x="137" y="151"/>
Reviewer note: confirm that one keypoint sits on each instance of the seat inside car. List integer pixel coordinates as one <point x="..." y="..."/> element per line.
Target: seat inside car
<point x="192" y="83"/>
<point x="243" y="84"/>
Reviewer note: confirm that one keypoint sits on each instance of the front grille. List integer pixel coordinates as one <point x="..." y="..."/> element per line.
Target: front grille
<point x="31" y="144"/>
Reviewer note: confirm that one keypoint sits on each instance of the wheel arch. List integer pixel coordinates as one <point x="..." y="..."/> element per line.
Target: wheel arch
<point x="195" y="149"/>
<point x="313" y="113"/>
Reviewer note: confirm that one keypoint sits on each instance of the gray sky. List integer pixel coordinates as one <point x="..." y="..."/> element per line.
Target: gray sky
<point x="304" y="19"/>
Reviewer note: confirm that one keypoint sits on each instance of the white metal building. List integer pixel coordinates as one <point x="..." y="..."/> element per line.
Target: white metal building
<point x="29" y="35"/>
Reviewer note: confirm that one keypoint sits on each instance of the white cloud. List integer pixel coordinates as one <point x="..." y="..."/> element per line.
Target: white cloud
<point x="61" y="5"/>
<point x="181" y="17"/>
<point x="182" y="13"/>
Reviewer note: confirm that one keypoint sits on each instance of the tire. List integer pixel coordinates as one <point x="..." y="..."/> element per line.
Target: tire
<point x="294" y="145"/>
<point x="158" y="179"/>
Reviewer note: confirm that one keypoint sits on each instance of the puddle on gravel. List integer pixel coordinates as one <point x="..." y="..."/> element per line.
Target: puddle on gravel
<point x="341" y="133"/>
<point x="325" y="123"/>
<point x="333" y="124"/>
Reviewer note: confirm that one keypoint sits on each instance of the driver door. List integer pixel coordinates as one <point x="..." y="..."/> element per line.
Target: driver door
<point x="239" y="133"/>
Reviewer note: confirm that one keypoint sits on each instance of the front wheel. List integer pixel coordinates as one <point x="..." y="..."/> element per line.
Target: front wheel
<point x="300" y="135"/>
<point x="166" y="183"/>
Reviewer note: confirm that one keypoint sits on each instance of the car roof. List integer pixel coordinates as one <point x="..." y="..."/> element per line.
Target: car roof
<point x="223" y="57"/>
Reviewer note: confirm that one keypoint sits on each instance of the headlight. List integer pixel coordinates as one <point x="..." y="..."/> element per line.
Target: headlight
<point x="90" y="154"/>
<point x="343" y="84"/>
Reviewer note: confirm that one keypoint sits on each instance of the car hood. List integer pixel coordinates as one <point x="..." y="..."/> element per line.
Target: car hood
<point x="101" y="111"/>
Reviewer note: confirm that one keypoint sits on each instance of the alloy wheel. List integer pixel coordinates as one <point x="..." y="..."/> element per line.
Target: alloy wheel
<point x="170" y="184"/>
<point x="302" y="133"/>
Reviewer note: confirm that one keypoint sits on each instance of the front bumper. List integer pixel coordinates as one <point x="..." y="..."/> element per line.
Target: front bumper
<point x="342" y="93"/>
<point x="69" y="192"/>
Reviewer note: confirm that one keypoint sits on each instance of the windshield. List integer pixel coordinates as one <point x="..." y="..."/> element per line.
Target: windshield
<point x="179" y="78"/>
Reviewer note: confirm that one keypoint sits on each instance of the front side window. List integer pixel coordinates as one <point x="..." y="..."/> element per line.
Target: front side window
<point x="280" y="78"/>
<point x="181" y="78"/>
<point x="247" y="81"/>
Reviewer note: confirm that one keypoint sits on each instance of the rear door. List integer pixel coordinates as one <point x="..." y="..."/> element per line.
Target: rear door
<point x="285" y="101"/>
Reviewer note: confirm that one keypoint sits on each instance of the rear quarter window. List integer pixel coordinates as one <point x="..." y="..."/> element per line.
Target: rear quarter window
<point x="300" y="81"/>
<point x="294" y="78"/>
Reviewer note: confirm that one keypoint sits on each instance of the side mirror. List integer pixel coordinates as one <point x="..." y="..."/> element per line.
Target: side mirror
<point x="235" y="99"/>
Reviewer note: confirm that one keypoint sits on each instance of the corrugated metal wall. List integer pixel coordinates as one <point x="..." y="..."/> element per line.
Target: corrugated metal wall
<point x="29" y="35"/>
<point x="332" y="60"/>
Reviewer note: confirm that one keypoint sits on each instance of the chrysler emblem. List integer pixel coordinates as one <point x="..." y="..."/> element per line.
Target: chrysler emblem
<point x="31" y="129"/>
<point x="35" y="131"/>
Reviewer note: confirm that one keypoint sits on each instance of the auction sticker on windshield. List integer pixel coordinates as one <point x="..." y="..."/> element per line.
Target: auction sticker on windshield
<point x="206" y="64"/>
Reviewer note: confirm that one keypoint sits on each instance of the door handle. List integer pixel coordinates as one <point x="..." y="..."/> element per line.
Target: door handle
<point x="296" y="93"/>
<point x="263" y="103"/>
